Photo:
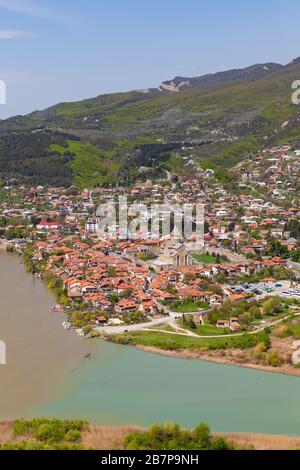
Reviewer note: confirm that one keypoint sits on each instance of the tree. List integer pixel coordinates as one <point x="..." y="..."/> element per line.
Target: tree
<point x="277" y="305"/>
<point x="206" y="227"/>
<point x="189" y="322"/>
<point x="112" y="272"/>
<point x="171" y="437"/>
<point x="188" y="277"/>
<point x="267" y="307"/>
<point x="12" y="233"/>
<point x="231" y="227"/>
<point x="295" y="255"/>
<point x="294" y="228"/>
<point x="274" y="359"/>
<point x="255" y="312"/>
<point x="202" y="436"/>
<point x="275" y="248"/>
<point x="272" y="306"/>
<point x="245" y="318"/>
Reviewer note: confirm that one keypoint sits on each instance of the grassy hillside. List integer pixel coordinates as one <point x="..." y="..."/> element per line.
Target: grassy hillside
<point x="101" y="140"/>
<point x="90" y="165"/>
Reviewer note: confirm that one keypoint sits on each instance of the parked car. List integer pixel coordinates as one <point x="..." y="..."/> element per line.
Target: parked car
<point x="257" y="291"/>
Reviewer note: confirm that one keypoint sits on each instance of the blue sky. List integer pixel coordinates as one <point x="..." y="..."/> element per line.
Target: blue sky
<point x="64" y="50"/>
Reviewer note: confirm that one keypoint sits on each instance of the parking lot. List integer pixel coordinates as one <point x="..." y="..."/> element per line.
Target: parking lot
<point x="267" y="289"/>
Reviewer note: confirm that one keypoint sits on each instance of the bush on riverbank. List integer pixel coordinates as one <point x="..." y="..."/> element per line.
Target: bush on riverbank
<point x="50" y="431"/>
<point x="171" y="437"/>
<point x="55" y="284"/>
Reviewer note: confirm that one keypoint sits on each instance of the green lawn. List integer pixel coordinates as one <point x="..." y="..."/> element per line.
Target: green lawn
<point x="189" y="307"/>
<point x="206" y="259"/>
<point x="207" y="330"/>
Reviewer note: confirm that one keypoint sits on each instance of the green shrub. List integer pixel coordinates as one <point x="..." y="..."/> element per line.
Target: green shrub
<point x="274" y="359"/>
<point x="33" y="445"/>
<point x="171" y="437"/>
<point x="50" y="430"/>
<point x="73" y="435"/>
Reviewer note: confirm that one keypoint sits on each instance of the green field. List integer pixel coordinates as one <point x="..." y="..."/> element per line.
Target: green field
<point x="207" y="259"/>
<point x="189" y="307"/>
<point x="171" y="342"/>
<point x="206" y="330"/>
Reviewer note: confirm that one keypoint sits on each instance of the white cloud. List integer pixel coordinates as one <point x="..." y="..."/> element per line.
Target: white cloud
<point x="27" y="8"/>
<point x="15" y="34"/>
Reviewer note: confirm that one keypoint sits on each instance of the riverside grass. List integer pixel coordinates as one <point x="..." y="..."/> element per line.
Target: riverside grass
<point x="172" y="342"/>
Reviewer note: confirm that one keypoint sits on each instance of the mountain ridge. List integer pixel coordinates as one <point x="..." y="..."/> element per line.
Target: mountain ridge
<point x="104" y="140"/>
<point x="252" y="72"/>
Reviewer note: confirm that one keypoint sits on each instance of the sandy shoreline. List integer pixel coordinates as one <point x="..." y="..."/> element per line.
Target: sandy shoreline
<point x="192" y="354"/>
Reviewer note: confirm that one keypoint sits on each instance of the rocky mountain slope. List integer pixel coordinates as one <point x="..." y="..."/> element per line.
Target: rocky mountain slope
<point x="253" y="72"/>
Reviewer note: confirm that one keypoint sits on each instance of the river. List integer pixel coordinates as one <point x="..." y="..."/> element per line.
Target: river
<point x="47" y="375"/>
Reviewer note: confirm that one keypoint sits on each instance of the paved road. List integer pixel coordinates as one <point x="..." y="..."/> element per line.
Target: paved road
<point x="124" y="328"/>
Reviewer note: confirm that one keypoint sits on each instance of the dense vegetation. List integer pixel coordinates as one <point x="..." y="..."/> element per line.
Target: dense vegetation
<point x="171" y="437"/>
<point x="293" y="226"/>
<point x="55" y="434"/>
<point x="25" y="156"/>
<point x="46" y="434"/>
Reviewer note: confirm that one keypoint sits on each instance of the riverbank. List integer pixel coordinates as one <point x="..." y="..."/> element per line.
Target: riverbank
<point x="113" y="438"/>
<point x="39" y="351"/>
<point x="217" y="358"/>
